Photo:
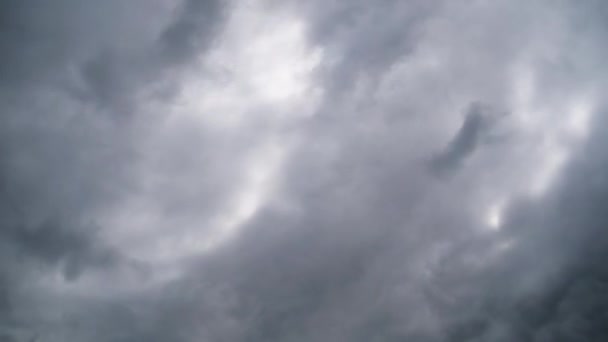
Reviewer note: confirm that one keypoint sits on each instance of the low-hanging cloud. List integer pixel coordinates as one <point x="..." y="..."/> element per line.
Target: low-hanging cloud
<point x="255" y="170"/>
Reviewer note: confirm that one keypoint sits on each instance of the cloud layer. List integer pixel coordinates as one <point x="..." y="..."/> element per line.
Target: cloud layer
<point x="338" y="170"/>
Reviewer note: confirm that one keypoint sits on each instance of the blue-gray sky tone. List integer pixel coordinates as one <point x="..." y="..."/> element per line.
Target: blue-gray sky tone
<point x="303" y="171"/>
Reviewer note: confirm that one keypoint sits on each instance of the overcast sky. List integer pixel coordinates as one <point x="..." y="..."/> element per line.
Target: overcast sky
<point x="296" y="171"/>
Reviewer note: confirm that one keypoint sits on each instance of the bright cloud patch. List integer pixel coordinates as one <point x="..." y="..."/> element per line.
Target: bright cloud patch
<point x="259" y="74"/>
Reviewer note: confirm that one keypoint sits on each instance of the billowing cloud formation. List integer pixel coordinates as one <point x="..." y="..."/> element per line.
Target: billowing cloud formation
<point x="255" y="170"/>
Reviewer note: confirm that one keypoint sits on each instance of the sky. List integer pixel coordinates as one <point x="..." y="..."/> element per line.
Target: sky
<point x="281" y="170"/>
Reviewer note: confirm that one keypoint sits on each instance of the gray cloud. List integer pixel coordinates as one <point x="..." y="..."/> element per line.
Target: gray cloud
<point x="157" y="185"/>
<point x="476" y="129"/>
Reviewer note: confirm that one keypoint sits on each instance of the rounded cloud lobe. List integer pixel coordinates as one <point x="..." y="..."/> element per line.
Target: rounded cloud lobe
<point x="254" y="170"/>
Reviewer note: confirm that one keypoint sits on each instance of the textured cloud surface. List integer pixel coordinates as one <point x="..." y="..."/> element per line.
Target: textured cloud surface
<point x="251" y="170"/>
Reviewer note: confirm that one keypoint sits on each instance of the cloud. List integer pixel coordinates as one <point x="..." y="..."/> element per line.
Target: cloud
<point x="475" y="130"/>
<point x="261" y="171"/>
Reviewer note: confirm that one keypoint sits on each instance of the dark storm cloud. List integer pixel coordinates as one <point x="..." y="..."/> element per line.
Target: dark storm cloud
<point x="192" y="30"/>
<point x="349" y="260"/>
<point x="476" y="129"/>
<point x="115" y="73"/>
<point x="359" y="242"/>
<point x="103" y="52"/>
<point x="67" y="70"/>
<point x="550" y="286"/>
